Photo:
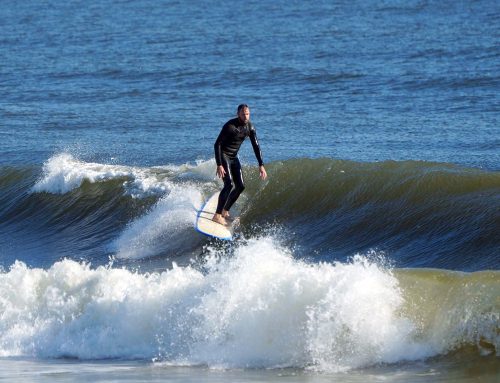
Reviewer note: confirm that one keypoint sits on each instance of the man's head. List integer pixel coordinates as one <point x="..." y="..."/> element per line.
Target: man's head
<point x="244" y="113"/>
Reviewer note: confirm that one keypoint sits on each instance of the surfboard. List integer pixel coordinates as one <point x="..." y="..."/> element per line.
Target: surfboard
<point x="205" y="225"/>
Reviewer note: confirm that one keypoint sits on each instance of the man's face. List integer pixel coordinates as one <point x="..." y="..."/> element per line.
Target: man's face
<point x="244" y="115"/>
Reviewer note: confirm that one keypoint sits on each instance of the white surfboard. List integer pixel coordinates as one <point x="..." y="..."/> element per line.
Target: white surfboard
<point x="205" y="225"/>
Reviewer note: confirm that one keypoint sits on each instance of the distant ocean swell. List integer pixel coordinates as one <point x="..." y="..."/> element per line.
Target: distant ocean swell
<point x="258" y="308"/>
<point x="426" y="214"/>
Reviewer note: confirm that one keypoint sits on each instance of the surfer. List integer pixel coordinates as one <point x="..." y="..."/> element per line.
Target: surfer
<point x="226" y="147"/>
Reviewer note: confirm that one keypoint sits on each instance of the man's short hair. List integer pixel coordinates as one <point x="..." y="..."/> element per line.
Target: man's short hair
<point x="242" y="106"/>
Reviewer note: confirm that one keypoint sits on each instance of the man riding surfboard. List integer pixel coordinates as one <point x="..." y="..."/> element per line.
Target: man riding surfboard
<point x="227" y="145"/>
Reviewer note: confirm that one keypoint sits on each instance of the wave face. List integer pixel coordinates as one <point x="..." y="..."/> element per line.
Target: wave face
<point x="419" y="214"/>
<point x="423" y="214"/>
<point x="258" y="308"/>
<point x="90" y="211"/>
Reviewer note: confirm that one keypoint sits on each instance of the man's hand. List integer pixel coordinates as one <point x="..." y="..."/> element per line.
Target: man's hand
<point x="220" y="171"/>
<point x="263" y="173"/>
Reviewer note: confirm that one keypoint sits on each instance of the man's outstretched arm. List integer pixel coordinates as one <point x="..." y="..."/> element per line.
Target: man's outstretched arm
<point x="258" y="153"/>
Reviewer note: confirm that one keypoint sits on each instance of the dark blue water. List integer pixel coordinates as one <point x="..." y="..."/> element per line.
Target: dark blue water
<point x="379" y="126"/>
<point x="152" y="82"/>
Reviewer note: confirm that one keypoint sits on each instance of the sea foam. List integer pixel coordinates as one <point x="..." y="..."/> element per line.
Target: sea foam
<point x="168" y="225"/>
<point x="63" y="173"/>
<point x="259" y="307"/>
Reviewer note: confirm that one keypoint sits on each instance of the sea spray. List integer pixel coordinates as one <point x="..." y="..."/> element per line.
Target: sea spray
<point x="357" y="322"/>
<point x="269" y="310"/>
<point x="258" y="307"/>
<point x="63" y="173"/>
<point x="168" y="226"/>
<point x="71" y="310"/>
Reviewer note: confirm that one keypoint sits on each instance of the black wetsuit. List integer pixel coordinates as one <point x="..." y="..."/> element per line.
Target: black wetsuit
<point x="226" y="147"/>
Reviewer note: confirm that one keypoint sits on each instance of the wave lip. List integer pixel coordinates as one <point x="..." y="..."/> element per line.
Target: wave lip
<point x="63" y="173"/>
<point x="82" y="209"/>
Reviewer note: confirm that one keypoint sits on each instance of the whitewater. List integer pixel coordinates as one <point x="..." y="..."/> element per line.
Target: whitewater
<point x="259" y="308"/>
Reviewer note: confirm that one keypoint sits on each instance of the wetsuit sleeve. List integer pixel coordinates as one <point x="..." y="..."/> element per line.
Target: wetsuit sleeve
<point x="218" y="147"/>
<point x="256" y="146"/>
<point x="218" y="143"/>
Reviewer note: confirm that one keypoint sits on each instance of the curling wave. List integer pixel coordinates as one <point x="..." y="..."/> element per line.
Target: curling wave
<point x="421" y="214"/>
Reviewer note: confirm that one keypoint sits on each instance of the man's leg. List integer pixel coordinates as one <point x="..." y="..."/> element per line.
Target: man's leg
<point x="239" y="185"/>
<point x="224" y="195"/>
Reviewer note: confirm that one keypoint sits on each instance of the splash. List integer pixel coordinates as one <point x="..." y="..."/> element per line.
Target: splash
<point x="258" y="308"/>
<point x="168" y="225"/>
<point x="63" y="173"/>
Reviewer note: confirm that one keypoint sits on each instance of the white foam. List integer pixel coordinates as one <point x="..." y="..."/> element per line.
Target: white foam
<point x="259" y="308"/>
<point x="63" y="173"/>
<point x="71" y="310"/>
<point x="168" y="225"/>
<point x="267" y="310"/>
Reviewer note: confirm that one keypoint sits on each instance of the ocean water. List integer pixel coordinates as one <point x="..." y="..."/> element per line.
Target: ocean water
<point x="371" y="252"/>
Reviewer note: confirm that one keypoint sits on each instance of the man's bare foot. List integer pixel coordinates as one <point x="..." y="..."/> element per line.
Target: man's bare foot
<point x="226" y="216"/>
<point x="218" y="218"/>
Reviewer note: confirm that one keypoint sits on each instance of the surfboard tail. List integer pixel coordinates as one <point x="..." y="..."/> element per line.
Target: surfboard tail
<point x="205" y="225"/>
